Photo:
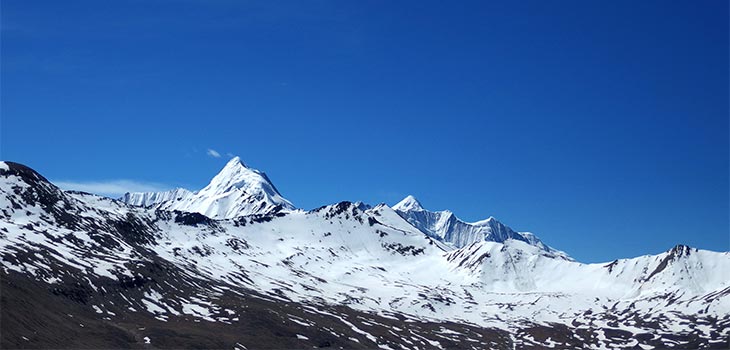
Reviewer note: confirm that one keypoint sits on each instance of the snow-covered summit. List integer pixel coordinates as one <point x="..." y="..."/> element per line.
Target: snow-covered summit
<point x="446" y="227"/>
<point x="408" y="203"/>
<point x="237" y="176"/>
<point x="236" y="190"/>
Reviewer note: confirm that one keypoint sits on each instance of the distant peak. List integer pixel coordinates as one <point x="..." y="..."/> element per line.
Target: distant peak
<point x="409" y="203"/>
<point x="680" y="250"/>
<point x="236" y="162"/>
<point x="491" y="220"/>
<point x="363" y="206"/>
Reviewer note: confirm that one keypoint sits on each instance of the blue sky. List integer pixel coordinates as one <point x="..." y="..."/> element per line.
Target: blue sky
<point x="600" y="126"/>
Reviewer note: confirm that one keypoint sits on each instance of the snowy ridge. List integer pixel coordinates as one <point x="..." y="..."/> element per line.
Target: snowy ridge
<point x="445" y="226"/>
<point x="518" y="266"/>
<point x="236" y="191"/>
<point x="147" y="199"/>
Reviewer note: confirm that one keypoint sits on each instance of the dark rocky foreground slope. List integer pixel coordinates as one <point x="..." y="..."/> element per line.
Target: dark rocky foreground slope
<point x="36" y="315"/>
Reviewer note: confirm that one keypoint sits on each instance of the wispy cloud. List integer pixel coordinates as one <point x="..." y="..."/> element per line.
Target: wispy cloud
<point x="213" y="153"/>
<point x="111" y="188"/>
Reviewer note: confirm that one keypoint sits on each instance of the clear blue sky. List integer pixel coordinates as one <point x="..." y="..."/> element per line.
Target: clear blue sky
<point x="600" y="126"/>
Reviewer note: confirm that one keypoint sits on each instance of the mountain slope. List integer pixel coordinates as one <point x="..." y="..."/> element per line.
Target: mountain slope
<point x="236" y="191"/>
<point x="343" y="275"/>
<point x="445" y="226"/>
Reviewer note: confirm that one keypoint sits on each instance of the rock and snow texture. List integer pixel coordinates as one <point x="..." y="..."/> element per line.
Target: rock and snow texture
<point x="445" y="226"/>
<point x="236" y="191"/>
<point x="176" y="265"/>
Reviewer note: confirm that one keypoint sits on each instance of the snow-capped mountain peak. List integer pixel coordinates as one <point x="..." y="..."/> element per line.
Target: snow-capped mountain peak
<point x="408" y="203"/>
<point x="236" y="190"/>
<point x="237" y="176"/>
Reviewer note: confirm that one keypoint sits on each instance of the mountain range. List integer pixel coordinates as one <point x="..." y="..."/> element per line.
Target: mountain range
<point x="236" y="265"/>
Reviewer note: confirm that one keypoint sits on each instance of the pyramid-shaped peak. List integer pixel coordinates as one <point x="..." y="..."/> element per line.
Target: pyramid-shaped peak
<point x="235" y="191"/>
<point x="409" y="203"/>
<point x="237" y="175"/>
<point x="235" y="162"/>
